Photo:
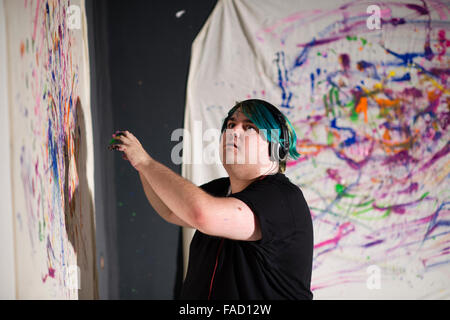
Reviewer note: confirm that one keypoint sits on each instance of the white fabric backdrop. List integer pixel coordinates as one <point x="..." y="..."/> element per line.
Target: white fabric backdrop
<point x="51" y="150"/>
<point x="7" y="272"/>
<point x="370" y="110"/>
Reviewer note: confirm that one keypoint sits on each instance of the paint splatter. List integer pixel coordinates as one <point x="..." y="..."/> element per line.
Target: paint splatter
<point x="180" y="13"/>
<point x="373" y="132"/>
<point x="49" y="146"/>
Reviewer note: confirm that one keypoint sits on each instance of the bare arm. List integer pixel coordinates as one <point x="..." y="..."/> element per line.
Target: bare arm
<point x="177" y="197"/>
<point x="224" y="217"/>
<point x="159" y="206"/>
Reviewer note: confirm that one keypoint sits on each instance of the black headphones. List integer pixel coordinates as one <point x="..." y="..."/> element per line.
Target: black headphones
<point x="277" y="151"/>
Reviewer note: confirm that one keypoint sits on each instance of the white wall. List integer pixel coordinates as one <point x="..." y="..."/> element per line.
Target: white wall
<point x="7" y="274"/>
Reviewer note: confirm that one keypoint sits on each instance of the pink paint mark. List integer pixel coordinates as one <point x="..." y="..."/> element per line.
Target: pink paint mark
<point x="439" y="8"/>
<point x="386" y="13"/>
<point x="344" y="229"/>
<point x="51" y="274"/>
<point x="334" y="174"/>
<point x="437" y="155"/>
<point x="36" y="17"/>
<point x="412" y="188"/>
<point x="292" y="18"/>
<point x="444" y="43"/>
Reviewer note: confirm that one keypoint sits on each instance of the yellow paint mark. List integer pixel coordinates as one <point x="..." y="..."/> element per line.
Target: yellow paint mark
<point x="378" y="86"/>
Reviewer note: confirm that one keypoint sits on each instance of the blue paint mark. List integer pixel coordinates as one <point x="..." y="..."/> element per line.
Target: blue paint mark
<point x="53" y="152"/>
<point x="369" y="69"/>
<point x="349" y="141"/>
<point x="434" y="222"/>
<point x="437" y="136"/>
<point x="405" y="77"/>
<point x="283" y="80"/>
<point x="406" y="58"/>
<point x="301" y="59"/>
<point x="370" y="244"/>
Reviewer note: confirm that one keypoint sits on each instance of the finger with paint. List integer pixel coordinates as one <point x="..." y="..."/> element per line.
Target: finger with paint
<point x="114" y="143"/>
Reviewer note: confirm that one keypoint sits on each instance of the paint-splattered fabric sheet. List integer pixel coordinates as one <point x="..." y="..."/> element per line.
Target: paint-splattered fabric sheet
<point x="51" y="146"/>
<point x="371" y="110"/>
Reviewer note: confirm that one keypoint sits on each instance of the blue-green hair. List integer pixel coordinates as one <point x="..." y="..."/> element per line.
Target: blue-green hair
<point x="257" y="111"/>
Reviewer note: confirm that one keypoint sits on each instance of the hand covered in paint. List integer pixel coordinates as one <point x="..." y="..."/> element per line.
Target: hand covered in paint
<point x="131" y="147"/>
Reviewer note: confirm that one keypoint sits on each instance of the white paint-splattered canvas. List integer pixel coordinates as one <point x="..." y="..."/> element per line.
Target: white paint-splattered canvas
<point x="51" y="146"/>
<point x="367" y="90"/>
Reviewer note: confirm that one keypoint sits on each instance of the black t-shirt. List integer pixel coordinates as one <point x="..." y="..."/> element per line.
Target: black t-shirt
<point x="276" y="267"/>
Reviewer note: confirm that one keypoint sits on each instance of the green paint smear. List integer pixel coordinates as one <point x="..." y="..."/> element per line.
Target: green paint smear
<point x="424" y="195"/>
<point x="364" y="203"/>
<point x="330" y="138"/>
<point x="329" y="106"/>
<point x="41" y="234"/>
<point x="354" y="116"/>
<point x="339" y="188"/>
<point x="114" y="141"/>
<point x="336" y="96"/>
<point x="421" y="198"/>
<point x="350" y="38"/>
<point x="363" y="41"/>
<point x="330" y="96"/>
<point x="325" y="104"/>
<point x="349" y="195"/>
<point x="385" y="215"/>
<point x="357" y="213"/>
<point x="351" y="104"/>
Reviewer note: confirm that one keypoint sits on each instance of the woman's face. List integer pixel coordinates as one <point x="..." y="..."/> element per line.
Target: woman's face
<point x="244" y="150"/>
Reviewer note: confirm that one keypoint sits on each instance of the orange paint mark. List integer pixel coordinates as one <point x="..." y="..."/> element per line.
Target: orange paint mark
<point x="433" y="95"/>
<point x="387" y="102"/>
<point x="362" y="107"/>
<point x="315" y="149"/>
<point x="400" y="144"/>
<point x="22" y="48"/>
<point x="386" y="135"/>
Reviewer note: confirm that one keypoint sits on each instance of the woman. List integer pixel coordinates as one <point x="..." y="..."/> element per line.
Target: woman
<point x="254" y="237"/>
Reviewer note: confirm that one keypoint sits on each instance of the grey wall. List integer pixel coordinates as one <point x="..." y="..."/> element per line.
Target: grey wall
<point x="104" y="177"/>
<point x="140" y="54"/>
